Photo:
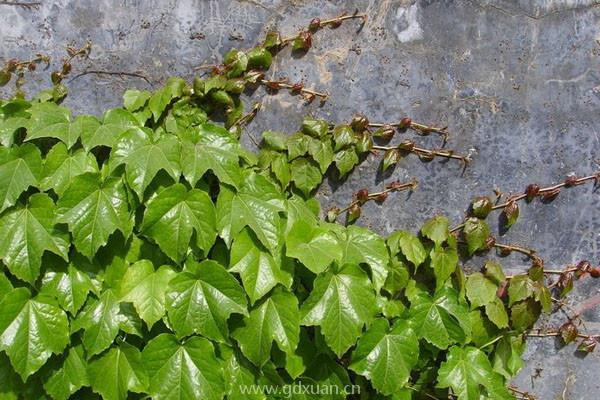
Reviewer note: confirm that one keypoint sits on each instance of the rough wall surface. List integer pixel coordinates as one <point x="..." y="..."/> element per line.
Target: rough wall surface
<point x="517" y="82"/>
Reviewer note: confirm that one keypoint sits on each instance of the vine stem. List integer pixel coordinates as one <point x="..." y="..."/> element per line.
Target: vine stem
<point x="328" y="22"/>
<point x="528" y="252"/>
<point x="556" y="333"/>
<point x="20" y="4"/>
<point x="425" y="152"/>
<point x="421" y="128"/>
<point x="112" y="73"/>
<point x="522" y="394"/>
<point x="373" y="196"/>
<point x="575" y="182"/>
<point x="284" y="84"/>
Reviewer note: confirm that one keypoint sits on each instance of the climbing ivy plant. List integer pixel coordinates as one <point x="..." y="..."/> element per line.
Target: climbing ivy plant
<point x="147" y="254"/>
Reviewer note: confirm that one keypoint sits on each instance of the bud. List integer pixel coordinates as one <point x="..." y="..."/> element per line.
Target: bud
<point x="332" y="214"/>
<point x="595" y="272"/>
<point x="5" y="76"/>
<point x="565" y="283"/>
<point x="568" y="331"/>
<point x="297" y="87"/>
<point x="66" y="68"/>
<point x="407" y="145"/>
<point x="511" y="213"/>
<point x="426" y="157"/>
<point x="56" y="77"/>
<point x="584" y="266"/>
<point x="504" y="251"/>
<point x="303" y="41"/>
<point x="359" y="123"/>
<point x="587" y="345"/>
<point x="272" y="40"/>
<point x="536" y="272"/>
<point x="314" y="24"/>
<point x="362" y="196"/>
<point x="386" y="132"/>
<point x="335" y="23"/>
<point x="502" y="290"/>
<point x="31" y="66"/>
<point x="571" y="181"/>
<point x="531" y="191"/>
<point x="550" y="195"/>
<point x="11" y="65"/>
<point x="405" y="123"/>
<point x="481" y="207"/>
<point x="490" y="242"/>
<point x="381" y="197"/>
<point x="353" y="213"/>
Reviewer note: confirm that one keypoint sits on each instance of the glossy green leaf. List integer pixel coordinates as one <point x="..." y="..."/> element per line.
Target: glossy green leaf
<point x="256" y="205"/>
<point x="133" y="100"/>
<point x="159" y="101"/>
<point x="70" y="288"/>
<point x="50" y="120"/>
<point x="443" y="261"/>
<point x="188" y="370"/>
<point x="470" y="375"/>
<point x="211" y="148"/>
<point x="29" y="231"/>
<point x="201" y="298"/>
<point x="480" y="290"/>
<point x="31" y="330"/>
<point x="343" y="136"/>
<point x="70" y="377"/>
<point x="386" y="356"/>
<point x="61" y="166"/>
<point x="100" y="322"/>
<point x="341" y="303"/>
<point x="174" y="215"/>
<point x="118" y="371"/>
<point x="114" y="123"/>
<point x="305" y="175"/>
<point x="476" y="232"/>
<point x="93" y="210"/>
<point x="315" y="247"/>
<point x="20" y="168"/>
<point x="345" y="160"/>
<point x="436" y="229"/>
<point x="260" y="270"/>
<point x="360" y="245"/>
<point x="144" y="155"/>
<point x="441" y="320"/>
<point x="410" y="246"/>
<point x="277" y="319"/>
<point x="146" y="289"/>
<point x="322" y="152"/>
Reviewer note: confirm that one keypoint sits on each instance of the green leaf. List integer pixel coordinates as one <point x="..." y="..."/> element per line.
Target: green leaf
<point x="114" y="123"/>
<point x="133" y="100"/>
<point x="360" y="245"/>
<point x="440" y="320"/>
<point x="507" y="359"/>
<point x="51" y="120"/>
<point x="239" y="375"/>
<point x="470" y="375"/>
<point x="174" y="215"/>
<point x="443" y="261"/>
<point x="31" y="330"/>
<point x="260" y="271"/>
<point x="275" y="140"/>
<point x="297" y="145"/>
<point x="315" y="127"/>
<point x="523" y="314"/>
<point x="146" y="288"/>
<point x="277" y="319"/>
<point x="386" y="356"/>
<point x="163" y="97"/>
<point x="493" y="270"/>
<point x="343" y="136"/>
<point x="520" y="288"/>
<point x="144" y="154"/>
<point x="341" y="303"/>
<point x="212" y="148"/>
<point x="391" y="157"/>
<point x="281" y="168"/>
<point x="316" y="247"/>
<point x="480" y="290"/>
<point x="100" y="322"/>
<point x="20" y="167"/>
<point x="436" y="229"/>
<point x="31" y="232"/>
<point x="117" y="372"/>
<point x="409" y="244"/>
<point x="397" y="278"/>
<point x="305" y="175"/>
<point x="62" y="166"/>
<point x="201" y="298"/>
<point x="70" y="288"/>
<point x="94" y="208"/>
<point x="256" y="205"/>
<point x="496" y="312"/>
<point x="476" y="232"/>
<point x="345" y="160"/>
<point x="70" y="377"/>
<point x="183" y="371"/>
<point x="322" y="152"/>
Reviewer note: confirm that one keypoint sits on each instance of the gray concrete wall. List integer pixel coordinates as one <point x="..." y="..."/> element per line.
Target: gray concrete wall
<point x="517" y="82"/>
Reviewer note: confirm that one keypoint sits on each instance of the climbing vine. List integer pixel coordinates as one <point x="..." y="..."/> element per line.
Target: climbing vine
<point x="147" y="254"/>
